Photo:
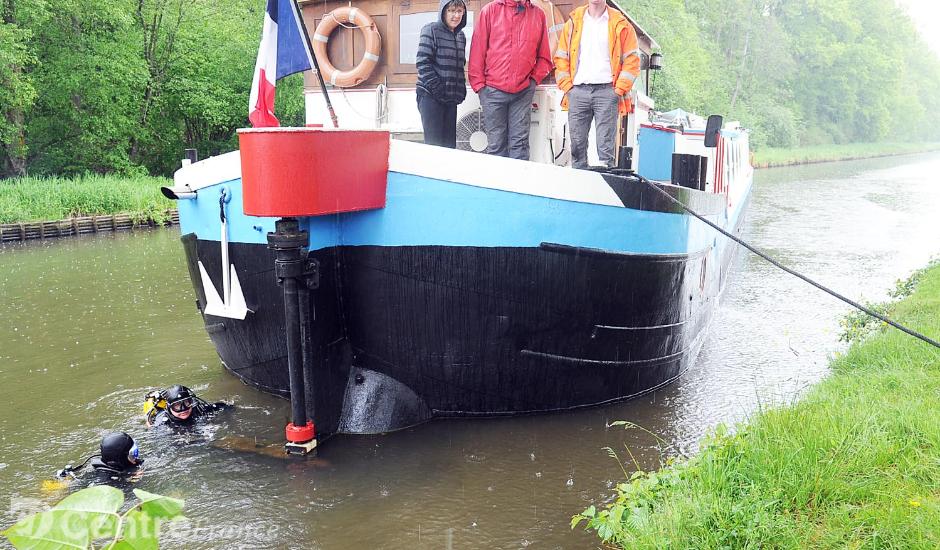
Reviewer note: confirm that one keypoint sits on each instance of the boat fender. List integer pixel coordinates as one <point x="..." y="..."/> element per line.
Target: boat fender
<point x="370" y="57"/>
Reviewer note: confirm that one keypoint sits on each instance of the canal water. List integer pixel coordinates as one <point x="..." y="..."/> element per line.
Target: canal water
<point x="89" y="325"/>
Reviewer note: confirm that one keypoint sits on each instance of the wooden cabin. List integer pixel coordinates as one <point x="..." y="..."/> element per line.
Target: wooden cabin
<point x="385" y="99"/>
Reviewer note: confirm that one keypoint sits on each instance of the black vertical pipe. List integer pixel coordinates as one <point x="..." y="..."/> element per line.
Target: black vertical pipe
<point x="288" y="242"/>
<point x="306" y="322"/>
<point x="295" y="354"/>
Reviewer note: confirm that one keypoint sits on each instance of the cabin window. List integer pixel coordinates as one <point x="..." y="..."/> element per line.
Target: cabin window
<point x="410" y="25"/>
<point x="409" y="31"/>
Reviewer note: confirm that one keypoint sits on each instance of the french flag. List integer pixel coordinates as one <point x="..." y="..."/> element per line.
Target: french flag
<point x="284" y="51"/>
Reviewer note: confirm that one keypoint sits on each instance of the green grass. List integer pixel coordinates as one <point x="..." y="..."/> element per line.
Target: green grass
<point x="768" y="157"/>
<point x="858" y="325"/>
<point x="854" y="464"/>
<point x="39" y="199"/>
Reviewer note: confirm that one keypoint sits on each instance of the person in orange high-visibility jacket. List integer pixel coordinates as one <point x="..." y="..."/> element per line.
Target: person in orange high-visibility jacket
<point x="594" y="90"/>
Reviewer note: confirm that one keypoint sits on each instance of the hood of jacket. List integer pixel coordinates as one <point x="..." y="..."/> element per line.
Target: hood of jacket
<point x="463" y="20"/>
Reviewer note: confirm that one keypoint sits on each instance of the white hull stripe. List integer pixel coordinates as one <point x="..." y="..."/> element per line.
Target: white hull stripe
<point x="441" y="163"/>
<point x="492" y="172"/>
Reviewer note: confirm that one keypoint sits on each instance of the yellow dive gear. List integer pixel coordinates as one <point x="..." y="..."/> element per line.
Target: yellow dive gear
<point x="154" y="402"/>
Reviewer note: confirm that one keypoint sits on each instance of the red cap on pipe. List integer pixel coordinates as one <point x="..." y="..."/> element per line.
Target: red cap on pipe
<point x="300" y="434"/>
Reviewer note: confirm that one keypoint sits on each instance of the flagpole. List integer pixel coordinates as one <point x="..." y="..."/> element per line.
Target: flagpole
<point x="316" y="65"/>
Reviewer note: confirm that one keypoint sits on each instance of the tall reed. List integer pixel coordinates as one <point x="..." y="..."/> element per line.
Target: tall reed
<point x="52" y="198"/>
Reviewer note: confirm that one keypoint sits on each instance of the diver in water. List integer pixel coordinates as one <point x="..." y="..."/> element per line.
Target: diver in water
<point x="178" y="407"/>
<point x="119" y="461"/>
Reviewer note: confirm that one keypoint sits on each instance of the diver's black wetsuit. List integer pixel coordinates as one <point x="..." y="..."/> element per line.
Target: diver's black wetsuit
<point x="199" y="411"/>
<point x="105" y="474"/>
<point x="179" y="399"/>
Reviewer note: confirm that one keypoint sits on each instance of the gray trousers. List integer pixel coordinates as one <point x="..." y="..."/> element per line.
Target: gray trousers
<point x="506" y="119"/>
<point x="597" y="102"/>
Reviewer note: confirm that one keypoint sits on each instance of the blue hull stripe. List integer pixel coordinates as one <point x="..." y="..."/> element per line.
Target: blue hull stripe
<point x="422" y="211"/>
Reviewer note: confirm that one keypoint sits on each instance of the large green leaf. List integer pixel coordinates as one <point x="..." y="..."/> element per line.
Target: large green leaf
<point x="159" y="506"/>
<point x="52" y="530"/>
<point x="95" y="508"/>
<point x="90" y="515"/>
<point x="140" y="532"/>
<point x="100" y="499"/>
<point x="80" y="518"/>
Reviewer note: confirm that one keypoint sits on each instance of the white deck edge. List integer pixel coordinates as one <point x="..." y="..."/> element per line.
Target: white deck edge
<point x="504" y="174"/>
<point x="463" y="167"/>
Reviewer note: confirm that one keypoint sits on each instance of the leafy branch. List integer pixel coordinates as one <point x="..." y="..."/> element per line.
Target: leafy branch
<point x="91" y="515"/>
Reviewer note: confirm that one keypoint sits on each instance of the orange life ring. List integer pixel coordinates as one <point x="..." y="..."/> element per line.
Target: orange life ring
<point x="321" y="36"/>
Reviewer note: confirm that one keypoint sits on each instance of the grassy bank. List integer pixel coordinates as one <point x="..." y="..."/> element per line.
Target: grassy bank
<point x="35" y="199"/>
<point x="854" y="464"/>
<point x="768" y="157"/>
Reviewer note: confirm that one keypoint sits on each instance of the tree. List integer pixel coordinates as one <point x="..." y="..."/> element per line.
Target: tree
<point x="16" y="91"/>
<point x="204" y="98"/>
<point x="91" y="79"/>
<point x="796" y="72"/>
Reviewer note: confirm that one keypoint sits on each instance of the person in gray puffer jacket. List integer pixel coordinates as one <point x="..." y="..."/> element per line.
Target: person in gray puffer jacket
<point x="441" y="83"/>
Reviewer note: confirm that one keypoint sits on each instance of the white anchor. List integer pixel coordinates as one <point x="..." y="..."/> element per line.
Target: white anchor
<point x="232" y="303"/>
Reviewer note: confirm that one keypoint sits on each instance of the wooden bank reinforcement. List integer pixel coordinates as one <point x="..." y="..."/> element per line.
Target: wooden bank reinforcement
<point x="24" y="231"/>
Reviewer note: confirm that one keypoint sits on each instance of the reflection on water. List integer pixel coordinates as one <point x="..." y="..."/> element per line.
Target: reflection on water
<point x="88" y="325"/>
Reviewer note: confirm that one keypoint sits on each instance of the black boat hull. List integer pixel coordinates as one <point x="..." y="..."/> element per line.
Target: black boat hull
<point x="404" y="334"/>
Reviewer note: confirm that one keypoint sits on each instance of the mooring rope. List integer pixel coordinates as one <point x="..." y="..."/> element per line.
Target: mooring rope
<point x="777" y="264"/>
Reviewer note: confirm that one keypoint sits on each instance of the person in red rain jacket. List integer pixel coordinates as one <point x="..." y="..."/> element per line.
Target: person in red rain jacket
<point x="509" y="57"/>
